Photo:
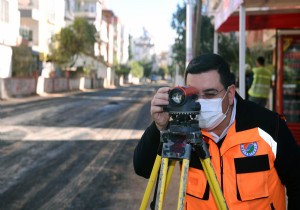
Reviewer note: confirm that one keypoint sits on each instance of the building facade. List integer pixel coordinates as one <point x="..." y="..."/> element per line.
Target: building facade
<point x="9" y="24"/>
<point x="40" y="20"/>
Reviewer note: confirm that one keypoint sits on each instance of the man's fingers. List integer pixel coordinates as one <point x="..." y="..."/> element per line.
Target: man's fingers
<point x="161" y="97"/>
<point x="157" y="109"/>
<point x="163" y="90"/>
<point x="159" y="102"/>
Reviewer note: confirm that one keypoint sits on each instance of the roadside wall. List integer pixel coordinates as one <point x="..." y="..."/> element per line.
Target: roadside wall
<point x="17" y="87"/>
<point x="74" y="84"/>
<point x="20" y="87"/>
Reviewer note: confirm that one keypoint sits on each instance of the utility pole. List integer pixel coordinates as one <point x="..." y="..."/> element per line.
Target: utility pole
<point x="190" y="4"/>
<point x="197" y="28"/>
<point x="242" y="51"/>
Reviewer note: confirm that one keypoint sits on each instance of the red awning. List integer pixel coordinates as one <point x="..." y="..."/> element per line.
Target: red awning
<point x="269" y="14"/>
<point x="258" y="20"/>
<point x="255" y="15"/>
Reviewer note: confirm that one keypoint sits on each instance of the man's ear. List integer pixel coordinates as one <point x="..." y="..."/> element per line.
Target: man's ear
<point x="231" y="94"/>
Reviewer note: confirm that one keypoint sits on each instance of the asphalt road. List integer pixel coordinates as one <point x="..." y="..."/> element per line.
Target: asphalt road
<point x="75" y="151"/>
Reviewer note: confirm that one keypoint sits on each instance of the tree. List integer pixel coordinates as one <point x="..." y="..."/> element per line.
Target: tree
<point x="206" y="37"/>
<point x="228" y="45"/>
<point x="122" y="70"/>
<point x="163" y="71"/>
<point x="130" y="56"/>
<point x="136" y="69"/>
<point x="179" y="24"/>
<point x="147" y="67"/>
<point x="72" y="41"/>
<point x="229" y="49"/>
<point x="22" y="61"/>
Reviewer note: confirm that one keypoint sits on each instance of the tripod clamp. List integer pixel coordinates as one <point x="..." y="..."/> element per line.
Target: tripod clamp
<point x="175" y="143"/>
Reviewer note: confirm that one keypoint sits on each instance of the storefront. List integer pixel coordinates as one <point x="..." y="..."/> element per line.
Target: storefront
<point x="287" y="98"/>
<point x="284" y="19"/>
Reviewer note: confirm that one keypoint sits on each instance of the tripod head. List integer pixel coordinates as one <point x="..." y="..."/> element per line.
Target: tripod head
<point x="182" y="101"/>
<point x="183" y="128"/>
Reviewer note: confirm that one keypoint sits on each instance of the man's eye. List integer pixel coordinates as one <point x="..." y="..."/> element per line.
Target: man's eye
<point x="209" y="94"/>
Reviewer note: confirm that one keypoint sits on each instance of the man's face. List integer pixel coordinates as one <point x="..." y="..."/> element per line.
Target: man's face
<point x="209" y="86"/>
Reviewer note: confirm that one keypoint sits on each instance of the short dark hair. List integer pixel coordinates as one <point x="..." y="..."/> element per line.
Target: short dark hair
<point x="260" y="60"/>
<point x="208" y="62"/>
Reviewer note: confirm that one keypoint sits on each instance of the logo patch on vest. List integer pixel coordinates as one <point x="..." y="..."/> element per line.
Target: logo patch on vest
<point x="249" y="149"/>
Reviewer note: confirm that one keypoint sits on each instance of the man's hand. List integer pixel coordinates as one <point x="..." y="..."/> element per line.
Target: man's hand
<point x="160" y="99"/>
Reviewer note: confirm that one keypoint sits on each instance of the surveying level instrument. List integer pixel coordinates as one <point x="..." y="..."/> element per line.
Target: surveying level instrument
<point x="177" y="141"/>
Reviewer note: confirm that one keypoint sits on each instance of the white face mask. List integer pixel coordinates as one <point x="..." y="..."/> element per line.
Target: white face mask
<point x="211" y="114"/>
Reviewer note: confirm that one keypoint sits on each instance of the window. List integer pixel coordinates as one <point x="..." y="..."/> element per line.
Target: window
<point x="92" y="8"/>
<point x="4" y="8"/>
<point x="26" y="33"/>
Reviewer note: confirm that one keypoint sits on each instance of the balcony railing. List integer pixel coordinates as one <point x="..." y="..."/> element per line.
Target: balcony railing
<point x="32" y="4"/>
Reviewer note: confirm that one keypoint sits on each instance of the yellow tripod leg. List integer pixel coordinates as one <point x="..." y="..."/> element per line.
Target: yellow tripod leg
<point x="213" y="183"/>
<point x="162" y="184"/>
<point x="151" y="182"/>
<point x="182" y="185"/>
<point x="169" y="174"/>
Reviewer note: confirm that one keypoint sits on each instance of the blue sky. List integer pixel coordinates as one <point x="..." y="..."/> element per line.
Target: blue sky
<point x="154" y="15"/>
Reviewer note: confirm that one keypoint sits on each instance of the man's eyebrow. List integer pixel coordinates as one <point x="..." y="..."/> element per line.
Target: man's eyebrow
<point x="209" y="89"/>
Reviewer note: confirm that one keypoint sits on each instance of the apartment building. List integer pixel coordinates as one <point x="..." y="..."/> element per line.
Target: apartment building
<point x="9" y="36"/>
<point x="108" y="27"/>
<point x="100" y="67"/>
<point x="69" y="11"/>
<point x="36" y="21"/>
<point x="40" y="20"/>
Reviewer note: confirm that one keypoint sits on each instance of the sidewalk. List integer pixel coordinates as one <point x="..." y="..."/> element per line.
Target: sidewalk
<point x="43" y="96"/>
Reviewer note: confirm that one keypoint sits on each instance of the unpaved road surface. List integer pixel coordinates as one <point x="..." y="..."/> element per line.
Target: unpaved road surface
<point x="75" y="151"/>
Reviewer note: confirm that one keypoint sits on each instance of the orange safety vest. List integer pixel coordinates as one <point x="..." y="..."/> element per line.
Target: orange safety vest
<point x="244" y="166"/>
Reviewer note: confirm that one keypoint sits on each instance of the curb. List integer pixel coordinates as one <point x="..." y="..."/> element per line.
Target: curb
<point x="44" y="96"/>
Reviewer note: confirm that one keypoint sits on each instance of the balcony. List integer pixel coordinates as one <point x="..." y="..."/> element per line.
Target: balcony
<point x="91" y="16"/>
<point x="30" y="13"/>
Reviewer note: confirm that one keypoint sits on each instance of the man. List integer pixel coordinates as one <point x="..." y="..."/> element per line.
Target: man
<point x="252" y="151"/>
<point x="260" y="87"/>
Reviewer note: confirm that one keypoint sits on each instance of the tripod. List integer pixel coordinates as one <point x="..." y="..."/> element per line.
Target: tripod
<point x="177" y="143"/>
